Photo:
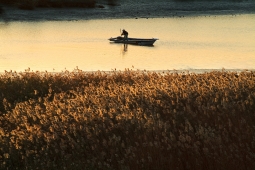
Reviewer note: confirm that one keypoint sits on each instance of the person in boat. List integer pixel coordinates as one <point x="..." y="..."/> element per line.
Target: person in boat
<point x="125" y="33"/>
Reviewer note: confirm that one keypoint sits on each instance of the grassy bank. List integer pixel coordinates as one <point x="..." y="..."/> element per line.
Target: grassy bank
<point x="127" y="120"/>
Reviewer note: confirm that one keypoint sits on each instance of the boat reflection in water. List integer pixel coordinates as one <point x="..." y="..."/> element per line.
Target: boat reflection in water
<point x="134" y="41"/>
<point x="125" y="47"/>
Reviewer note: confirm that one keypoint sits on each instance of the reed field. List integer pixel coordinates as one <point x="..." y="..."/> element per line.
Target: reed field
<point x="127" y="120"/>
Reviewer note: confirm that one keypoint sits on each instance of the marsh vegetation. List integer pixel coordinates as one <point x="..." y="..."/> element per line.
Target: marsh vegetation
<point x="127" y="120"/>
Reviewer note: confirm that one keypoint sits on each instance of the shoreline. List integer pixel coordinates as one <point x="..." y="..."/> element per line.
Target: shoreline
<point x="184" y="71"/>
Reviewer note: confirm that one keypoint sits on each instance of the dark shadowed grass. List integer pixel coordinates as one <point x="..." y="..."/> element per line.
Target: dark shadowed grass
<point x="127" y="120"/>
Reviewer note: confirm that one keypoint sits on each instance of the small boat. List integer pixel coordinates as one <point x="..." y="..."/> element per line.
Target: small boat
<point x="134" y="41"/>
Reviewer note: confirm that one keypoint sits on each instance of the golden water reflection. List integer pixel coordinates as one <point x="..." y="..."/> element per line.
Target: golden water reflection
<point x="205" y="42"/>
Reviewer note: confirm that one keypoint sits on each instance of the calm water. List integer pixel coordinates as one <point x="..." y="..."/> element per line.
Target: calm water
<point x="186" y="43"/>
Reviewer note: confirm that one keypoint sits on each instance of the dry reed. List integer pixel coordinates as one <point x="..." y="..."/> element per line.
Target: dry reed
<point x="127" y="120"/>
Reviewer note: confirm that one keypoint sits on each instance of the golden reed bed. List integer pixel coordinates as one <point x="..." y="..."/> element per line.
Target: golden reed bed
<point x="128" y="120"/>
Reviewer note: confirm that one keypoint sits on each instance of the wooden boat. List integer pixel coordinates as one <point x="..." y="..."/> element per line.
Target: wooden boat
<point x="134" y="41"/>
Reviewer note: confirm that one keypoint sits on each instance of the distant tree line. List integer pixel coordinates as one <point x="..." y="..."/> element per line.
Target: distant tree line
<point x="210" y="0"/>
<point x="31" y="4"/>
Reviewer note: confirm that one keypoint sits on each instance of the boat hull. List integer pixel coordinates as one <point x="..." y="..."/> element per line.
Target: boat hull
<point x="134" y="41"/>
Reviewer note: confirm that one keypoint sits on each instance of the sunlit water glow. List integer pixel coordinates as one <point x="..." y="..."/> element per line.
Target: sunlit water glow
<point x="204" y="42"/>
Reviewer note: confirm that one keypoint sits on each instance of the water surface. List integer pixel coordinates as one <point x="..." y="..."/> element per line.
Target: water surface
<point x="185" y="43"/>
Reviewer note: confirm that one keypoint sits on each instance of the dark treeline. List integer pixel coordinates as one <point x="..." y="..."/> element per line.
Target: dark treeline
<point x="31" y="4"/>
<point x="210" y="0"/>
